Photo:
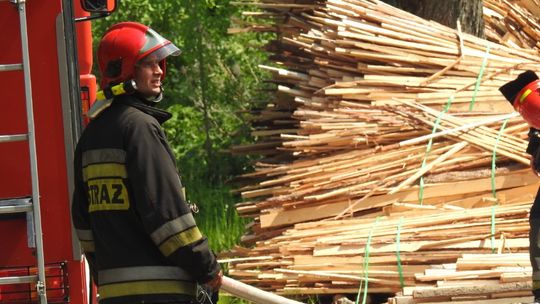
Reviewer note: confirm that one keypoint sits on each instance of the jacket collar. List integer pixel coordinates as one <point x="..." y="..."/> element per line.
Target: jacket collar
<point x="134" y="101"/>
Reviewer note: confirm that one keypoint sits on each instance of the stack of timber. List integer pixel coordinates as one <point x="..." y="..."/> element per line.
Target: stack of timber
<point x="514" y="23"/>
<point x="402" y="251"/>
<point x="382" y="120"/>
<point x="474" y="278"/>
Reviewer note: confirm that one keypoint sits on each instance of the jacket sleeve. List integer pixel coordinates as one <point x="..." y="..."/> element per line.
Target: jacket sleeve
<point x="534" y="141"/>
<point x="159" y="201"/>
<point x="80" y="216"/>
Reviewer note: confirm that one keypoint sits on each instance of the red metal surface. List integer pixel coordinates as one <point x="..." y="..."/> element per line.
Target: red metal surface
<point x="56" y="279"/>
<point x="14" y="159"/>
<point x="84" y="41"/>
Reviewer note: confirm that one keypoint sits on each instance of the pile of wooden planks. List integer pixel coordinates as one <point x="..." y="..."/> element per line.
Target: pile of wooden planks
<point x="513" y="23"/>
<point x="382" y="116"/>
<point x="362" y="124"/>
<point x="395" y="252"/>
<point x="474" y="278"/>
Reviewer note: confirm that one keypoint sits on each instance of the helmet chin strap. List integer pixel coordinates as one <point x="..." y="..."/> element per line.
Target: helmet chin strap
<point x="158" y="98"/>
<point x="155" y="99"/>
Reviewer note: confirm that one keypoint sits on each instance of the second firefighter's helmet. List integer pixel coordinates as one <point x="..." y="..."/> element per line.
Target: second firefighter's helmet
<point x="524" y="95"/>
<point x="527" y="103"/>
<point x="126" y="43"/>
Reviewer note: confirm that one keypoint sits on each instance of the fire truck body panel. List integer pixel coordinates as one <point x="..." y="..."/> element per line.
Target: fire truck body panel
<point x="56" y="107"/>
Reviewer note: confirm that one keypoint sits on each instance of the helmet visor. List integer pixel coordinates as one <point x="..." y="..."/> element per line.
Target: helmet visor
<point x="161" y="53"/>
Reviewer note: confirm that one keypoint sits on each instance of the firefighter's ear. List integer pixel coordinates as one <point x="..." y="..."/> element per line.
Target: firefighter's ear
<point x="114" y="68"/>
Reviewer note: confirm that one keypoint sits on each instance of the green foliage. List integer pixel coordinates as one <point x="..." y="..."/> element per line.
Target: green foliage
<point x="208" y="85"/>
<point x="183" y="132"/>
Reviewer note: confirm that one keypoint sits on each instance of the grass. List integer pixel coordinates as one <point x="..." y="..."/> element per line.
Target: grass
<point x="217" y="219"/>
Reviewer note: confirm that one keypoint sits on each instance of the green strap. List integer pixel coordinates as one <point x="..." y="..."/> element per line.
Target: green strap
<point x="430" y="143"/>
<point x="398" y="256"/>
<point x="494" y="158"/>
<point x="493" y="187"/>
<point x="479" y="78"/>
<point x="471" y="105"/>
<point x="366" y="265"/>
<point x="493" y="227"/>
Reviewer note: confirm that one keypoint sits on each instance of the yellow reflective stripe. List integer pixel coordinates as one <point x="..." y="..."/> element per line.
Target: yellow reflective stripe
<point x="99" y="156"/>
<point x="147" y="287"/>
<point x="104" y="170"/>
<point x="180" y="240"/>
<point x="143" y="273"/>
<point x="88" y="246"/>
<point x="524" y="95"/>
<point x="173" y="227"/>
<point x="536" y="285"/>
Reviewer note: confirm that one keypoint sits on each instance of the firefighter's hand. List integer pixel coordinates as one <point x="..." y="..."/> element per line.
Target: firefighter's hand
<point x="215" y="283"/>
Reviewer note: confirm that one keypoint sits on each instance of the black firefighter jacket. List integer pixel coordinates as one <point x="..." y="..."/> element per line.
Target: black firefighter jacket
<point x="129" y="211"/>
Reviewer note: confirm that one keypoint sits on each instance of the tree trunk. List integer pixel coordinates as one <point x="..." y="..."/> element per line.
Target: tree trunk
<point x="468" y="12"/>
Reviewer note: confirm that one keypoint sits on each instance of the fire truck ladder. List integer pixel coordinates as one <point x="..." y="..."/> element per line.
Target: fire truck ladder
<point x="28" y="205"/>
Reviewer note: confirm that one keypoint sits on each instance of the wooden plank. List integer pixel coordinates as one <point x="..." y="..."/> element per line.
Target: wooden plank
<point x="282" y="217"/>
<point x="472" y="290"/>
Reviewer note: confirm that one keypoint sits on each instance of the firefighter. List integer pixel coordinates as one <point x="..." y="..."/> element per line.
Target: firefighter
<point x="524" y="95"/>
<point x="129" y="210"/>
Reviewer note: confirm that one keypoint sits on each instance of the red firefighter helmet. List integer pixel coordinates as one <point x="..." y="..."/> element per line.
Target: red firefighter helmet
<point x="527" y="103"/>
<point x="124" y="45"/>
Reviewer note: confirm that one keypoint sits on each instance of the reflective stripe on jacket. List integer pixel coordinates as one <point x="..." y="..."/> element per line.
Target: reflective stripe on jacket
<point x="131" y="281"/>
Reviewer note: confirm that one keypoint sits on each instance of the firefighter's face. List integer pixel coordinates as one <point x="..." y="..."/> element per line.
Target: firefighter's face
<point x="148" y="77"/>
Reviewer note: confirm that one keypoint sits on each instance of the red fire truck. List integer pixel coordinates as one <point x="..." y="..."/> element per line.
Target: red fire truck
<point x="45" y="86"/>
